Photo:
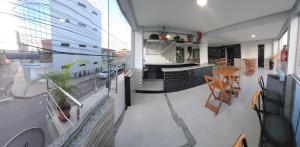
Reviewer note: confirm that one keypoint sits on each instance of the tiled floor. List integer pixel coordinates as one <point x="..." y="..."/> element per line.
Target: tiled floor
<point x="149" y="123"/>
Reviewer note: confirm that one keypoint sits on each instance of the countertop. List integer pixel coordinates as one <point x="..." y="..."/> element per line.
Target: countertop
<point x="185" y="68"/>
<point x="169" y="64"/>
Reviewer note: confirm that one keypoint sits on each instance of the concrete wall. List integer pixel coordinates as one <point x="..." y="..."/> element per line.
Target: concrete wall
<point x="74" y="34"/>
<point x="156" y="59"/>
<point x="250" y="50"/>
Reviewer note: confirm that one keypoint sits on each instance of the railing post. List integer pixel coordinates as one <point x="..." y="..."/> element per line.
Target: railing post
<point x="78" y="113"/>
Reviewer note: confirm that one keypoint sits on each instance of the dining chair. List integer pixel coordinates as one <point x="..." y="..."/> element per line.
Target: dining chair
<point x="218" y="91"/>
<point x="269" y="95"/>
<point x="275" y="130"/>
<point x="241" y="141"/>
<point x="236" y="78"/>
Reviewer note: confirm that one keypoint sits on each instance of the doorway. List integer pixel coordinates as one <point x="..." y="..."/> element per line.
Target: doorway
<point x="261" y="55"/>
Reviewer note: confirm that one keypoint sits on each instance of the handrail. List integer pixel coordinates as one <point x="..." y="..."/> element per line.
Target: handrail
<point x="296" y="78"/>
<point x="59" y="109"/>
<point x="67" y="94"/>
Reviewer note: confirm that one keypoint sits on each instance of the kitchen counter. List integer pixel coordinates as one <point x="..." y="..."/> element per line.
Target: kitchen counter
<point x="154" y="71"/>
<point x="185" y="68"/>
<point x="176" y="79"/>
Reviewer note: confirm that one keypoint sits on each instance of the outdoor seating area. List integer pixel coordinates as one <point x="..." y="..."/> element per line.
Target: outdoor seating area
<point x="224" y="83"/>
<point x="150" y="73"/>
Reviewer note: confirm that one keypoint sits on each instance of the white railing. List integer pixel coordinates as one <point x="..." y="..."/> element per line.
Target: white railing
<point x="56" y="112"/>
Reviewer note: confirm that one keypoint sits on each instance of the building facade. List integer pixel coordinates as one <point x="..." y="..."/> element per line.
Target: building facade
<point x="63" y="33"/>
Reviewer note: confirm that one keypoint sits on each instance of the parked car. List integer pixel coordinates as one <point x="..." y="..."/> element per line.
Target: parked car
<point x="120" y="67"/>
<point x="104" y="74"/>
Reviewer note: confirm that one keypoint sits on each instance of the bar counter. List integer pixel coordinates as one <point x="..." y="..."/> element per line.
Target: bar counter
<point x="180" y="78"/>
<point x="153" y="71"/>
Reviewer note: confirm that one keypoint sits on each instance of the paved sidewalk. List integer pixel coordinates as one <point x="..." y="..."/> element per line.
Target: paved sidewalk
<point x="26" y="89"/>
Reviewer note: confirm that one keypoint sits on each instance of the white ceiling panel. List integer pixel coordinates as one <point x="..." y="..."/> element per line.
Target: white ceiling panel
<point x="186" y="14"/>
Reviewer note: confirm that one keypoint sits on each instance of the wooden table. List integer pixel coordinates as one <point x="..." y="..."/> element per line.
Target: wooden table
<point x="225" y="75"/>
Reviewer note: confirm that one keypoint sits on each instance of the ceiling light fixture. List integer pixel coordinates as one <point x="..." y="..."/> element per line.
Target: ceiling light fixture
<point x="253" y="36"/>
<point x="202" y="3"/>
<point x="168" y="36"/>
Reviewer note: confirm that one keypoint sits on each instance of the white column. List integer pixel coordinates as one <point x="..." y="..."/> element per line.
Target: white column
<point x="292" y="44"/>
<point x="138" y="49"/>
<point x="203" y="51"/>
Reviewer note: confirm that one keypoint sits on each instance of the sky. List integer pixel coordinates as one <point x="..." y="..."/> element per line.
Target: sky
<point x="120" y="31"/>
<point x="7" y="26"/>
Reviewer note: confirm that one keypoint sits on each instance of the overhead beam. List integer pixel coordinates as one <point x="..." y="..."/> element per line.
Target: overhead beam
<point x="250" y="23"/>
<point x="127" y="10"/>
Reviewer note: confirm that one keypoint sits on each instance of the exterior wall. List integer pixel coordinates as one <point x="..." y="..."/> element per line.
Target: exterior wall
<point x="70" y="31"/>
<point x="155" y="59"/>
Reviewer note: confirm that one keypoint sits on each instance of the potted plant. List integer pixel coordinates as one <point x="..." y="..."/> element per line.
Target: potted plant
<point x="271" y="64"/>
<point x="163" y="34"/>
<point x="61" y="79"/>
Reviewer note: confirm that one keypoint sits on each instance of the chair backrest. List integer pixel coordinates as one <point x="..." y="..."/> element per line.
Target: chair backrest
<point x="241" y="141"/>
<point x="261" y="82"/>
<point x="213" y="82"/>
<point x="256" y="105"/>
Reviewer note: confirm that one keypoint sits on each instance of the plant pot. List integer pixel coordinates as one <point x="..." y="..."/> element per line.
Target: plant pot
<point x="65" y="107"/>
<point x="271" y="65"/>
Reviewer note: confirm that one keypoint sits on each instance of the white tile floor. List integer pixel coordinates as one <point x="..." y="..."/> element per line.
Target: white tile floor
<point x="149" y="123"/>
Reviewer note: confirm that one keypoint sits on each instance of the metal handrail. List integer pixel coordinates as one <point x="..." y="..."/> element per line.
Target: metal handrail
<point x="296" y="78"/>
<point x="59" y="109"/>
<point x="67" y="94"/>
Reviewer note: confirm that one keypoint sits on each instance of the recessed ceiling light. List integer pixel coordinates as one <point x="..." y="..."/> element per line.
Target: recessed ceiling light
<point x="202" y="3"/>
<point x="253" y="36"/>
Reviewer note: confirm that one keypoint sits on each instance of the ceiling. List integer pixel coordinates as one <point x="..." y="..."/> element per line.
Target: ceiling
<point x="186" y="14"/>
<point x="264" y="31"/>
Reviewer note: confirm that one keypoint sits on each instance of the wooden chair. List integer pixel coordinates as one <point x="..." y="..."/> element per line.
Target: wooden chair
<point x="215" y="85"/>
<point x="236" y="78"/>
<point x="241" y="141"/>
<point x="275" y="129"/>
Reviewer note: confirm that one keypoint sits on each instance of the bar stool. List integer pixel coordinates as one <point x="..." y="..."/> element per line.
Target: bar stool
<point x="269" y="95"/>
<point x="275" y="130"/>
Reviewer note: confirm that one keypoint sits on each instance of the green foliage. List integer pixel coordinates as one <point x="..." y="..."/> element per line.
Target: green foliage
<point x="61" y="79"/>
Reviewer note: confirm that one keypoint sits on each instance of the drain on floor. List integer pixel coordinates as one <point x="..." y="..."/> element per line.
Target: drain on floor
<point x="179" y="121"/>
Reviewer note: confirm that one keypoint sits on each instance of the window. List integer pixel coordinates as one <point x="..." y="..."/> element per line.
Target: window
<point x="95" y="62"/>
<point x="81" y="65"/>
<point x="63" y="67"/>
<point x="95" y="13"/>
<point x="81" y="5"/>
<point x="95" y="46"/>
<point x="65" y="44"/>
<point x="82" y="24"/>
<point x="64" y="20"/>
<point x="82" y="45"/>
<point x="95" y="29"/>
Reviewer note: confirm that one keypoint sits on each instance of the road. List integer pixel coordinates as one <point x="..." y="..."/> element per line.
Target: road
<point x="7" y="74"/>
<point x="19" y="114"/>
<point x="88" y="86"/>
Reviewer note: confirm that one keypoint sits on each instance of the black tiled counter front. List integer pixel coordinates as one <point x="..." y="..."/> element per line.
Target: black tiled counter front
<point x="176" y="79"/>
<point x="154" y="70"/>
